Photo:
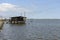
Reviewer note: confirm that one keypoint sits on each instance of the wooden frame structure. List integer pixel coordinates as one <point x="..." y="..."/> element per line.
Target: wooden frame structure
<point x="17" y="20"/>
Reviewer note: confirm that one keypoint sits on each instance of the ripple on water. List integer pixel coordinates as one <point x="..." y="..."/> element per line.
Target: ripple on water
<point x="33" y="30"/>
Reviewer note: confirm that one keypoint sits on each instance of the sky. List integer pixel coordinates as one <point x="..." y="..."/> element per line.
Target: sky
<point x="35" y="9"/>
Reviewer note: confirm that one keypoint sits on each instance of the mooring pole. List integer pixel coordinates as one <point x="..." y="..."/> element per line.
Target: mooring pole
<point x="21" y="14"/>
<point x="24" y="14"/>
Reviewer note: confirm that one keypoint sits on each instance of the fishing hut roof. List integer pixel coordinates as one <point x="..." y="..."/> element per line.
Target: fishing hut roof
<point x="17" y="16"/>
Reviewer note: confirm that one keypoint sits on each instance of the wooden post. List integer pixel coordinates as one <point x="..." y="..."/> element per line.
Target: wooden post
<point x="24" y="14"/>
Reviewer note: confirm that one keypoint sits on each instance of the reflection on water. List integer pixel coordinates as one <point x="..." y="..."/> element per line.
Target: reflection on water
<point x="43" y="29"/>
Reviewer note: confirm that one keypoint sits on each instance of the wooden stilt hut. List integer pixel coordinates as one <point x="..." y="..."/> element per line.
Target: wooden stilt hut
<point x="17" y="20"/>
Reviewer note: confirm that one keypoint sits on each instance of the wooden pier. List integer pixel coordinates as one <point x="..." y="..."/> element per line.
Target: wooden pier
<point x="1" y="24"/>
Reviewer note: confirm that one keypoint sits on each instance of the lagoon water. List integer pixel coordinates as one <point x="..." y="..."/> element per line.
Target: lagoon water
<point x="34" y="29"/>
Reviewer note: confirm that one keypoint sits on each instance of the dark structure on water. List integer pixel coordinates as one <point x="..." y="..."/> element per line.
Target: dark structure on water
<point x="17" y="20"/>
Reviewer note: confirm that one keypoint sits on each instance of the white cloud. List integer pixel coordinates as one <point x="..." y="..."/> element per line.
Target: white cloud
<point x="5" y="7"/>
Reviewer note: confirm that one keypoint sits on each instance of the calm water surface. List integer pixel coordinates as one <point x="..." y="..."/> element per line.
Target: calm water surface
<point x="34" y="29"/>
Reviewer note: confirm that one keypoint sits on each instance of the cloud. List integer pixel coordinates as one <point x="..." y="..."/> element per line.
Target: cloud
<point x="6" y="7"/>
